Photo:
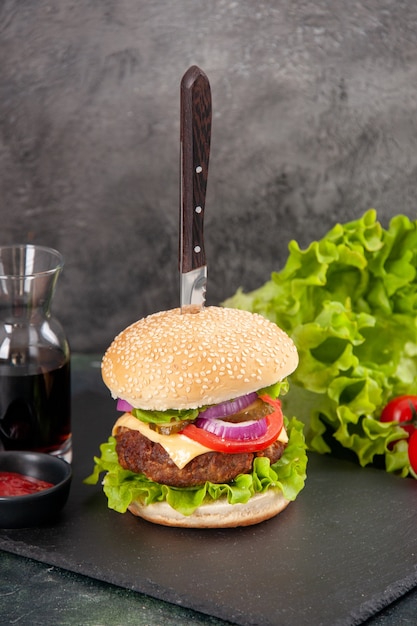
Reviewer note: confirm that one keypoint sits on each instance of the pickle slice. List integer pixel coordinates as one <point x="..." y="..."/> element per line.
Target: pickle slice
<point x="255" y="411"/>
<point x="170" y="428"/>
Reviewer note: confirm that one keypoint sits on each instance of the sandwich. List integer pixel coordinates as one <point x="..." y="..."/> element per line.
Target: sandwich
<point x="201" y="440"/>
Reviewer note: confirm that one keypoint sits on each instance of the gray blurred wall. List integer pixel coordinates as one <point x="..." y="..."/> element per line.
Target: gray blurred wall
<point x="314" y="122"/>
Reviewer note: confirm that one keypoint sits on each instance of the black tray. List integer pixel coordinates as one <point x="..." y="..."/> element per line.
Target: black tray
<point x="343" y="551"/>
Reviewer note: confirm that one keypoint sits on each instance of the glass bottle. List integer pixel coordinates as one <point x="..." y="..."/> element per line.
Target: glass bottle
<point x="35" y="387"/>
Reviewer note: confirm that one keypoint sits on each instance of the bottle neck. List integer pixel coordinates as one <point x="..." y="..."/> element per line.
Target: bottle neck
<point x="27" y="299"/>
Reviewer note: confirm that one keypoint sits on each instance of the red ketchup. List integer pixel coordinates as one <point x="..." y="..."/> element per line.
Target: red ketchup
<point x="14" y="484"/>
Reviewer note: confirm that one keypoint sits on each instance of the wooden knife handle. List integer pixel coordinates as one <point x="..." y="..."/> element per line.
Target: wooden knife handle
<point x="195" y="152"/>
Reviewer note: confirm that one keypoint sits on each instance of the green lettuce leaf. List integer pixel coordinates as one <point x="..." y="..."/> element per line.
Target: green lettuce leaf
<point x="277" y="389"/>
<point x="349" y="302"/>
<point x="122" y="486"/>
<point x="165" y="417"/>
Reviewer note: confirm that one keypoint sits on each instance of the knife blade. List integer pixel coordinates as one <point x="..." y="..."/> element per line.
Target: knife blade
<point x="195" y="139"/>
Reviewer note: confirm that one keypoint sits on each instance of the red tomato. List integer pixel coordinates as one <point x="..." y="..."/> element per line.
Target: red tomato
<point x="412" y="451"/>
<point x="401" y="409"/>
<point x="275" y="423"/>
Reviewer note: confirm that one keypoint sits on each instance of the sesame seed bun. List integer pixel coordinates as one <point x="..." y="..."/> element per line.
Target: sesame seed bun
<point x="174" y="360"/>
<point x="219" y="514"/>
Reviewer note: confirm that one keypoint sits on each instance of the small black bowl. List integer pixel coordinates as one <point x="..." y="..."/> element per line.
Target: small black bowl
<point x="36" y="508"/>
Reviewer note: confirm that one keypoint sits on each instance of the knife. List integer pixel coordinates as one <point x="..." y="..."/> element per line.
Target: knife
<point x="195" y="137"/>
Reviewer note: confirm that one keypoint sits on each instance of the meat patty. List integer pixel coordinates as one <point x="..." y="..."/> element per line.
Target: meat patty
<point x="142" y="456"/>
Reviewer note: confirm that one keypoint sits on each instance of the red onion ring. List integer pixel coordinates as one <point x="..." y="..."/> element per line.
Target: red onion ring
<point x="228" y="408"/>
<point x="242" y="431"/>
<point x="123" y="405"/>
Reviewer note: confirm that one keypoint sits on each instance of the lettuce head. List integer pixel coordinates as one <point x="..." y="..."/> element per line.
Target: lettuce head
<point x="349" y="302"/>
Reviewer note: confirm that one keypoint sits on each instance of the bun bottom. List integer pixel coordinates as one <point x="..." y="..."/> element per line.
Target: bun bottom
<point x="219" y="514"/>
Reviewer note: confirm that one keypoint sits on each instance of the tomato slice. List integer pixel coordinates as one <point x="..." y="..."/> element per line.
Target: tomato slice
<point x="275" y="422"/>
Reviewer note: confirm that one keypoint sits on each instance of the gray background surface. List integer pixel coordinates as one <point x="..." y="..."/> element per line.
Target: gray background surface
<point x="314" y="122"/>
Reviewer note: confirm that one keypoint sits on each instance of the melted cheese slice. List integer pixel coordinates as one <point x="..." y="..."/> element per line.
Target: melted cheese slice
<point x="180" y="448"/>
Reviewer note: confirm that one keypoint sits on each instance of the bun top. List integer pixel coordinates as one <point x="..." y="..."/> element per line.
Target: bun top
<point x="174" y="360"/>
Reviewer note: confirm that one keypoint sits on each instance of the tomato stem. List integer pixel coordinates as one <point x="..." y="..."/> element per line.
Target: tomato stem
<point x="413" y="420"/>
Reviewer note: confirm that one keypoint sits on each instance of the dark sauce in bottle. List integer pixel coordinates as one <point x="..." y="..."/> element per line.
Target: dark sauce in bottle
<point x="35" y="406"/>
